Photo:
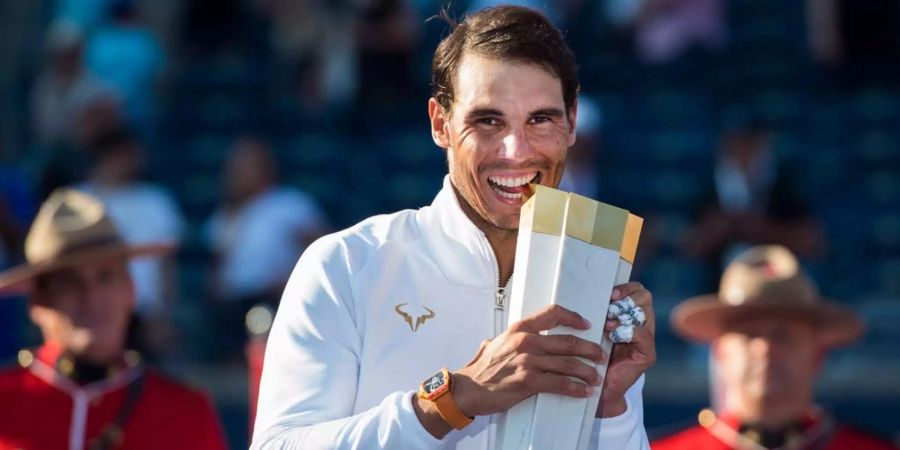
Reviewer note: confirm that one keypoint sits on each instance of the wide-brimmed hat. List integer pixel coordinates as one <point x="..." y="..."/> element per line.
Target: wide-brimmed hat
<point x="71" y="228"/>
<point x="764" y="281"/>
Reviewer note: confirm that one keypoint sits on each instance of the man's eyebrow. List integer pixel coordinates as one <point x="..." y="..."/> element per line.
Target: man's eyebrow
<point x="483" y="112"/>
<point x="552" y="112"/>
<point x="488" y="112"/>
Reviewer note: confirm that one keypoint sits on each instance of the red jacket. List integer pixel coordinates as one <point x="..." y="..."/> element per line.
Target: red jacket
<point x="41" y="409"/>
<point x="707" y="438"/>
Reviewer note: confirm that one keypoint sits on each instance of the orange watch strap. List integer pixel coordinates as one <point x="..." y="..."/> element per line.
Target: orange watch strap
<point x="441" y="396"/>
<point x="447" y="408"/>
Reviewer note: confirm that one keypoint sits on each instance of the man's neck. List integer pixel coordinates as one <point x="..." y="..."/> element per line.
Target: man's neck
<point x="238" y="200"/>
<point x="771" y="420"/>
<point x="502" y="241"/>
<point x="81" y="368"/>
<point x="106" y="180"/>
<point x="504" y="245"/>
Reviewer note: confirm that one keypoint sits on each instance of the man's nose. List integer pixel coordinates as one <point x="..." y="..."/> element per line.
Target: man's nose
<point x="95" y="296"/>
<point x="515" y="146"/>
<point x="761" y="346"/>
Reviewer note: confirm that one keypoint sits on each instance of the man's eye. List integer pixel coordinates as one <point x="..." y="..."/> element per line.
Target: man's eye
<point x="541" y="119"/>
<point x="490" y="121"/>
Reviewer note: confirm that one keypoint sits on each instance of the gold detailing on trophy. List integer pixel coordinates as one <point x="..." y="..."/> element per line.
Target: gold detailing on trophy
<point x="632" y="234"/>
<point x="552" y="206"/>
<point x="555" y="212"/>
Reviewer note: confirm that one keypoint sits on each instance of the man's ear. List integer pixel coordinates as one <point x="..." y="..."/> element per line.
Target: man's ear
<point x="572" y="115"/>
<point x="440" y="123"/>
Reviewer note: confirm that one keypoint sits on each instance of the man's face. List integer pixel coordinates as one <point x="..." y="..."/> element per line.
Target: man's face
<point x="86" y="309"/>
<point x="772" y="363"/>
<point x="248" y="170"/>
<point x="507" y="127"/>
<point x="745" y="148"/>
<point x="124" y="162"/>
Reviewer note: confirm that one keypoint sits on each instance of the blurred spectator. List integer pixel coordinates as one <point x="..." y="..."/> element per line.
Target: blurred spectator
<point x="257" y="234"/>
<point x="98" y="117"/>
<point x="259" y="229"/>
<point x="87" y="14"/>
<point x="860" y="39"/>
<point x="386" y="38"/>
<point x="143" y="213"/>
<point x="65" y="88"/>
<point x="127" y="55"/>
<point x="314" y="45"/>
<point x="82" y="389"/>
<point x="751" y="201"/>
<point x="69" y="105"/>
<point x="769" y="331"/>
<point x="666" y="29"/>
<point x="581" y="175"/>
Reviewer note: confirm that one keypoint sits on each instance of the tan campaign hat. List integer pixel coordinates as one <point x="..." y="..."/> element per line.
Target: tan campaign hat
<point x="71" y="228"/>
<point x="764" y="281"/>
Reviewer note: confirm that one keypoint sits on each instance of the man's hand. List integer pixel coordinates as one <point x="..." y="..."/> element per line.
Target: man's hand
<point x="628" y="361"/>
<point x="522" y="362"/>
<point x="519" y="363"/>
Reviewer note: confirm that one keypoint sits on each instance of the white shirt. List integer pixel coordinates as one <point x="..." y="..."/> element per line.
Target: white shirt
<point x="260" y="242"/>
<point x="143" y="214"/>
<point x="57" y="106"/>
<point x="342" y="365"/>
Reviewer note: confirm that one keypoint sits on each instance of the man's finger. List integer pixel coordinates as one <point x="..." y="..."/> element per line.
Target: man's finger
<point x="624" y="290"/>
<point x="643" y="341"/>
<point x="557" y="384"/>
<point x="623" y="334"/>
<point x="550" y="317"/>
<point x="569" y="366"/>
<point x="568" y="345"/>
<point x="634" y="316"/>
<point x="642" y="298"/>
<point x="611" y="324"/>
<point x="619" y="307"/>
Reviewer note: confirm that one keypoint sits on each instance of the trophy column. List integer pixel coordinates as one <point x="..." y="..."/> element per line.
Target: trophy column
<point x="571" y="251"/>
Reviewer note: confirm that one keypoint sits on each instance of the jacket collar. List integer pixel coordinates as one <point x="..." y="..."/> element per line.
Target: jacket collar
<point x="812" y="427"/>
<point x="52" y="365"/>
<point x="460" y="249"/>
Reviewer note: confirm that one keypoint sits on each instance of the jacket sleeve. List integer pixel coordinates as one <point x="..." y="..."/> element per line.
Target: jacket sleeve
<point x="625" y="431"/>
<point x="311" y="369"/>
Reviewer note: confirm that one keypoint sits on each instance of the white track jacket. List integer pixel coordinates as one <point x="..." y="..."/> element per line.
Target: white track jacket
<point x="370" y="312"/>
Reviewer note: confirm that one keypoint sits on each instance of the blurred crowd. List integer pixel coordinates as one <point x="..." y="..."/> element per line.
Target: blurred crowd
<point x="111" y="97"/>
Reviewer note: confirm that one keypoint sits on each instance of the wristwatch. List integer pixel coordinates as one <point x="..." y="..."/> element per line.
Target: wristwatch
<point x="436" y="389"/>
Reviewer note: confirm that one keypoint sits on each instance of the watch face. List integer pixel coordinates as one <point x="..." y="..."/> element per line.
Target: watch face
<point x="434" y="383"/>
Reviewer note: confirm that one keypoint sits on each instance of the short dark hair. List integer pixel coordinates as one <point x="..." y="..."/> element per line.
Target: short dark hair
<point x="511" y="33"/>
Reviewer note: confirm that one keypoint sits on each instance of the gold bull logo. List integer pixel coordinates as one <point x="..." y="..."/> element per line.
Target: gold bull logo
<point x="409" y="319"/>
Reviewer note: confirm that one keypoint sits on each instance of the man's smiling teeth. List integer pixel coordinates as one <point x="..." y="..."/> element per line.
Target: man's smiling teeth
<point x="508" y="195"/>
<point x="512" y="182"/>
<point x="502" y="185"/>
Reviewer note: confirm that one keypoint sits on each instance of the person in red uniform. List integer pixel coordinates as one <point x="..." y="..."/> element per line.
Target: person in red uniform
<point x="81" y="389"/>
<point x="769" y="331"/>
